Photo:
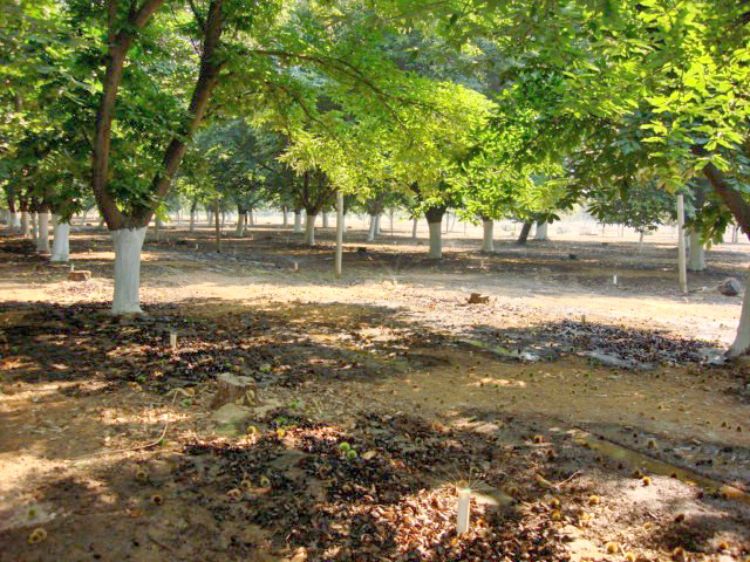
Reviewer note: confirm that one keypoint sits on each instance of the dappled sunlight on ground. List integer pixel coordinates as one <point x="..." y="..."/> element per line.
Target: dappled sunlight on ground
<point x="105" y="427"/>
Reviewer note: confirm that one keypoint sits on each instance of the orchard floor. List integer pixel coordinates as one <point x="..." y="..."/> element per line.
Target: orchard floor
<point x="109" y="446"/>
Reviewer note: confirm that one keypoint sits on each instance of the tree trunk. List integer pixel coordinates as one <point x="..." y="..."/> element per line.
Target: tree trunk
<point x="42" y="239"/>
<point x="128" y="244"/>
<point x="284" y="217"/>
<point x="61" y="242"/>
<point x="35" y="226"/>
<point x="297" y="221"/>
<point x="488" y="243"/>
<point x="390" y="217"/>
<point x="191" y="228"/>
<point x="217" y="227"/>
<point x="524" y="236"/>
<point x="338" y="262"/>
<point x="310" y="229"/>
<point x="241" y="220"/>
<point x="697" y="254"/>
<point x="640" y="241"/>
<point x="434" y="217"/>
<point x="735" y="234"/>
<point x="541" y="231"/>
<point x="25" y="226"/>
<point x="371" y="230"/>
<point x="414" y="228"/>
<point x="742" y="338"/>
<point x="249" y="218"/>
<point x="436" y="241"/>
<point x="325" y="219"/>
<point x="681" y="261"/>
<point x="378" y="231"/>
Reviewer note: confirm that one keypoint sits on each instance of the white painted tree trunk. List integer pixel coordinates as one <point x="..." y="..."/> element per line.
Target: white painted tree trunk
<point x="297" y="222"/>
<point x="25" y="228"/>
<point x="35" y="226"/>
<point x="378" y="231"/>
<point x="310" y="229"/>
<point x="42" y="239"/>
<point x="191" y="228"/>
<point x="681" y="257"/>
<point x="541" y="231"/>
<point x="741" y="343"/>
<point x="240" y="231"/>
<point x="339" y="259"/>
<point x="372" y="229"/>
<point x="436" y="240"/>
<point x="414" y="229"/>
<point x="285" y="218"/>
<point x="697" y="254"/>
<point x="128" y="244"/>
<point x="61" y="242"/>
<point x="640" y="241"/>
<point x="488" y="243"/>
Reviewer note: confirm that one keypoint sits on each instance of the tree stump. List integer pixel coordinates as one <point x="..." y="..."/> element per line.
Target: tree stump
<point x="234" y="389"/>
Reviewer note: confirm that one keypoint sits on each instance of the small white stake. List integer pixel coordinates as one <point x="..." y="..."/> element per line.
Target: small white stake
<point x="464" y="506"/>
<point x="173" y="340"/>
<point x="614" y="279"/>
<point x="296" y="266"/>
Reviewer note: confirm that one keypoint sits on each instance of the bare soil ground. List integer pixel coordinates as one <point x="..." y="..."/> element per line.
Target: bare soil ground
<point x="379" y="395"/>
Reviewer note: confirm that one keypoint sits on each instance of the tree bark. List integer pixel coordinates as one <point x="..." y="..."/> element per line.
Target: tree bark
<point x="25" y="226"/>
<point x="310" y="228"/>
<point x="541" y="231"/>
<point x="488" y="242"/>
<point x="742" y="338"/>
<point x="241" y="221"/>
<point x="61" y="242"/>
<point x="217" y="226"/>
<point x="434" y="217"/>
<point x="339" y="234"/>
<point x="128" y="244"/>
<point x="524" y="236"/>
<point x="371" y="230"/>
<point x="42" y="239"/>
<point x="697" y="253"/>
<point x="681" y="261"/>
<point x="119" y="42"/>
<point x="414" y="228"/>
<point x="297" y="221"/>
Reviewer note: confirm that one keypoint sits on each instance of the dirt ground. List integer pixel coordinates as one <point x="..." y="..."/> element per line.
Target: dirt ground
<point x="377" y="397"/>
